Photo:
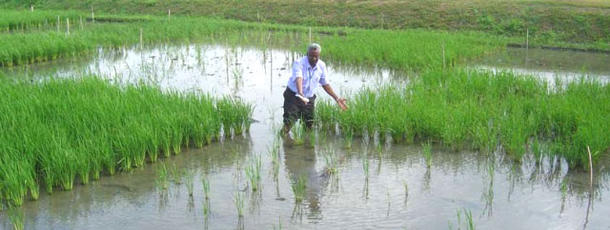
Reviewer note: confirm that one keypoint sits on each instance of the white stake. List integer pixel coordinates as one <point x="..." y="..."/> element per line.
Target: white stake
<point x="169" y="15"/>
<point x="590" y="166"/>
<point x="68" y="26"/>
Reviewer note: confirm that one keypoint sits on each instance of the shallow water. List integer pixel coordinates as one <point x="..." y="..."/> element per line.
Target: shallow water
<point x="550" y="65"/>
<point x="497" y="191"/>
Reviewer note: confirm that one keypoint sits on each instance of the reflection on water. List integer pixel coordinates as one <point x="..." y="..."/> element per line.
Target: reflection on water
<point x="550" y="65"/>
<point x="372" y="185"/>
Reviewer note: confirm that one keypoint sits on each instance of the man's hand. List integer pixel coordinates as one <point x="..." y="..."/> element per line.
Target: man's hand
<point x="304" y="99"/>
<point x="342" y="105"/>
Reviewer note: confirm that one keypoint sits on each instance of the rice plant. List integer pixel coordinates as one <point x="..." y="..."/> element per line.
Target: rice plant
<point x="205" y="184"/>
<point x="348" y="137"/>
<point x="238" y="199"/>
<point x="427" y="152"/>
<point x="299" y="187"/>
<point x="481" y="109"/>
<point x="298" y="132"/>
<point x="116" y="126"/>
<point x="365" y="167"/>
<point x="330" y="157"/>
<point x="253" y="173"/>
<point x="162" y="176"/>
<point x="16" y="217"/>
<point x="467" y="218"/>
<point x="189" y="181"/>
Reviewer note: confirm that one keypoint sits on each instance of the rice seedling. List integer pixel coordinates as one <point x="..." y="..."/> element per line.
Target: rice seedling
<point x="348" y="137"/>
<point x="299" y="187"/>
<point x="279" y="224"/>
<point x="238" y="199"/>
<point x="189" y="176"/>
<point x="206" y="208"/>
<point x="205" y="184"/>
<point x="16" y="217"/>
<point x="488" y="195"/>
<point x="253" y="173"/>
<point x="162" y="176"/>
<point x="114" y="126"/>
<point x="365" y="167"/>
<point x="175" y="174"/>
<point x="467" y="218"/>
<point x="299" y="132"/>
<point x="427" y="152"/>
<point x="330" y="157"/>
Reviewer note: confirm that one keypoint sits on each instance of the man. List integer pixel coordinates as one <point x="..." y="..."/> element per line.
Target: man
<point x="299" y="99"/>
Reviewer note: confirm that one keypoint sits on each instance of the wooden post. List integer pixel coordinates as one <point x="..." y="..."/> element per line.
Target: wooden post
<point x="310" y="35"/>
<point x="527" y="38"/>
<point x="67" y="26"/>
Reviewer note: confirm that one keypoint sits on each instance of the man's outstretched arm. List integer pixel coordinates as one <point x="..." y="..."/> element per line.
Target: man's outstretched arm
<point x="340" y="101"/>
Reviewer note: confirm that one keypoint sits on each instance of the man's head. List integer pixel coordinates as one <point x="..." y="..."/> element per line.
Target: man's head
<point x="313" y="53"/>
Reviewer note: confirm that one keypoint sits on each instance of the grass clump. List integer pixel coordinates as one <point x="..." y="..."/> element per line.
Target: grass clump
<point x="58" y="132"/>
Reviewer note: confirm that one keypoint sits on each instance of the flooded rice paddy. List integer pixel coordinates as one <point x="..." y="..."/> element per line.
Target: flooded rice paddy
<point x="373" y="185"/>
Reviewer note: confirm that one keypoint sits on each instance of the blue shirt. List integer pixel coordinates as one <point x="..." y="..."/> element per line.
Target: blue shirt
<point x="312" y="76"/>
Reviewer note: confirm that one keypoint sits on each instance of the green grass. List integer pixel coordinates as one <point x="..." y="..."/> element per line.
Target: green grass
<point x="549" y="21"/>
<point x="63" y="131"/>
<point x="407" y="50"/>
<point x="480" y="109"/>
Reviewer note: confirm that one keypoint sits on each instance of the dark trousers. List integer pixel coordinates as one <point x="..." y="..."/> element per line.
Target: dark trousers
<point x="295" y="108"/>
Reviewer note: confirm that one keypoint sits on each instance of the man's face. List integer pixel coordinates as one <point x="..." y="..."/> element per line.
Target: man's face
<point x="313" y="56"/>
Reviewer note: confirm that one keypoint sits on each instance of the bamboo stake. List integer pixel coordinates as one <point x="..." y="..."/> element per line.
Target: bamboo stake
<point x="590" y="166"/>
<point x="68" y="26"/>
<point x="527" y="38"/>
<point x="58" y="22"/>
<point x="310" y="35"/>
<point x="141" y="39"/>
<point x="169" y="15"/>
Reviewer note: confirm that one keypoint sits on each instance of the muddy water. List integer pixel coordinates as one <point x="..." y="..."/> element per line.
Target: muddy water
<point x="399" y="191"/>
<point x="550" y="65"/>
